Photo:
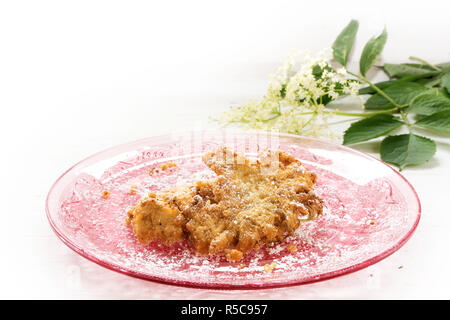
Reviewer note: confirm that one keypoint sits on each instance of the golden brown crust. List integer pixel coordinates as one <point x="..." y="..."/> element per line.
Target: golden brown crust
<point x="249" y="203"/>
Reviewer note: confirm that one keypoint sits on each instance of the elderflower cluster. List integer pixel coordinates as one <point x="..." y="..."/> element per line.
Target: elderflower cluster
<point x="296" y="97"/>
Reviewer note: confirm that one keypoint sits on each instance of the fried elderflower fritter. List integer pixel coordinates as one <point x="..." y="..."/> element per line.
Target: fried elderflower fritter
<point x="248" y="204"/>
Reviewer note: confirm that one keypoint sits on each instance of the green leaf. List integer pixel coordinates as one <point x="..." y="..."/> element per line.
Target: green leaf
<point x="443" y="92"/>
<point x="381" y="85"/>
<point x="344" y="42"/>
<point x="431" y="82"/>
<point x="439" y="121"/>
<point x="419" y="65"/>
<point x="384" y="84"/>
<point x="428" y="103"/>
<point x="283" y="90"/>
<point x="445" y="67"/>
<point x="407" y="150"/>
<point x="317" y="71"/>
<point x="446" y="81"/>
<point x="403" y="70"/>
<point x="371" y="52"/>
<point x="439" y="92"/>
<point x="402" y="93"/>
<point x="371" y="128"/>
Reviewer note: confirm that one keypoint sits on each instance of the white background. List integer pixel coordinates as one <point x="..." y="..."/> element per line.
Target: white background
<point x="77" y="77"/>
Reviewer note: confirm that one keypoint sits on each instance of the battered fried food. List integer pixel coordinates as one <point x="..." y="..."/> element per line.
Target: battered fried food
<point x="248" y="204"/>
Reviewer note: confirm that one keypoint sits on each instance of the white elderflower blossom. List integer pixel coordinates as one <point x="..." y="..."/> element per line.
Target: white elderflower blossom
<point x="295" y="100"/>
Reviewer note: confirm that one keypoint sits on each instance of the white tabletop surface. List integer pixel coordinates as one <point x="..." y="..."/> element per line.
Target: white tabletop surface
<point x="79" y="77"/>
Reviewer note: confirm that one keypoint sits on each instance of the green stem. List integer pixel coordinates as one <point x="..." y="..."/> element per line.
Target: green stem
<point x="309" y="120"/>
<point x="381" y="92"/>
<point x="433" y="83"/>
<point x="404" y="116"/>
<point x="313" y="114"/>
<point x="339" y="113"/>
<point x="425" y="63"/>
<point x="273" y="117"/>
<point x="365" y="114"/>
<point x="355" y="114"/>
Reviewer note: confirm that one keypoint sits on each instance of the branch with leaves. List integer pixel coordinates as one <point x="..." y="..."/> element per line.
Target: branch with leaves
<point x="417" y="95"/>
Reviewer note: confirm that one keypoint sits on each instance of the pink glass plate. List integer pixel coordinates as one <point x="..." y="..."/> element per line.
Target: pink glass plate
<point x="371" y="211"/>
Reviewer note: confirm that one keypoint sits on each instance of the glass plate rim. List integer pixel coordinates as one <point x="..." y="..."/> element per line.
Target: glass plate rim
<point x="222" y="286"/>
